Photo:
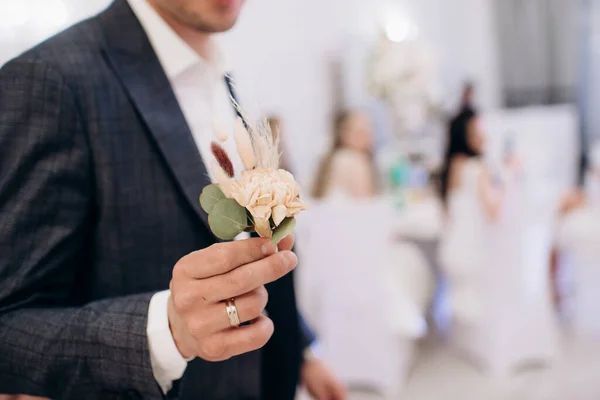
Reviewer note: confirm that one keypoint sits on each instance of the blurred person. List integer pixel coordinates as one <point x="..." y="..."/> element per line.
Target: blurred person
<point x="464" y="168"/>
<point x="348" y="169"/>
<point x="577" y="239"/>
<point x="468" y="98"/>
<point x="104" y="133"/>
<point x="588" y="194"/>
<point x="464" y="172"/>
<point x="473" y="201"/>
<point x="593" y="177"/>
<point x="580" y="207"/>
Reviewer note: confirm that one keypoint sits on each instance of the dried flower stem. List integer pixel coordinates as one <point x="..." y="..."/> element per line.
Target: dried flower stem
<point x="222" y="158"/>
<point x="264" y="143"/>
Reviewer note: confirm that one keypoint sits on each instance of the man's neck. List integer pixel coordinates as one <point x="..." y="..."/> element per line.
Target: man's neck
<point x="200" y="42"/>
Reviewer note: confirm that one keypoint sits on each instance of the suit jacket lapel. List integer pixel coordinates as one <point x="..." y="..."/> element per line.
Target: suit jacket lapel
<point x="134" y="61"/>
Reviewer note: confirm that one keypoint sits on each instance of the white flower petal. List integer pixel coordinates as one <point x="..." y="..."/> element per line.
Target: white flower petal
<point x="279" y="213"/>
<point x="260" y="212"/>
<point x="268" y="193"/>
<point x="253" y="198"/>
<point x="264" y="199"/>
<point x="263" y="228"/>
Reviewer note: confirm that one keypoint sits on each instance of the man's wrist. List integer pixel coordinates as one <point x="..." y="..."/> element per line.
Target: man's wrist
<point x="167" y="362"/>
<point x="174" y="323"/>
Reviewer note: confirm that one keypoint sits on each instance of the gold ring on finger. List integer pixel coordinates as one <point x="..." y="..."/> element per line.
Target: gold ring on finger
<point x="232" y="313"/>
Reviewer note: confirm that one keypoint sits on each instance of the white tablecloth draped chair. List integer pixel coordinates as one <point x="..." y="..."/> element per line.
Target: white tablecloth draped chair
<point x="506" y="317"/>
<point x="578" y="237"/>
<point x="411" y="282"/>
<point x="362" y="292"/>
<point x="421" y="220"/>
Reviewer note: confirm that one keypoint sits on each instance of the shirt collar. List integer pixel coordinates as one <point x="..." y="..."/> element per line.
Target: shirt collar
<point x="174" y="54"/>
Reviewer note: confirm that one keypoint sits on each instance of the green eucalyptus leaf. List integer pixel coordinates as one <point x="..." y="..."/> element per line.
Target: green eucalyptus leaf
<point x="227" y="219"/>
<point x="285" y="228"/>
<point x="211" y="195"/>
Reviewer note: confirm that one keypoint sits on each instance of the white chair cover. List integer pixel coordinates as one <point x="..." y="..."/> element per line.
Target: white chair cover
<point x="514" y="321"/>
<point x="579" y="237"/>
<point x="411" y="283"/>
<point x="347" y="281"/>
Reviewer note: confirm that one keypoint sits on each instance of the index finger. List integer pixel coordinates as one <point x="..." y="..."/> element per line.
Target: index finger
<point x="286" y="243"/>
<point x="221" y="258"/>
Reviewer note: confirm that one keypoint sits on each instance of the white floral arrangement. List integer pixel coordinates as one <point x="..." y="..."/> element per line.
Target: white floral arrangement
<point x="263" y="198"/>
<point x="399" y="67"/>
<point x="401" y="74"/>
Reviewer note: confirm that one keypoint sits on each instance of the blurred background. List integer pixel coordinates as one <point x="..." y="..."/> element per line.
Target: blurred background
<point x="450" y="152"/>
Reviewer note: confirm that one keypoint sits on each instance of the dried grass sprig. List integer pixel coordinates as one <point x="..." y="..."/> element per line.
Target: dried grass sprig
<point x="264" y="143"/>
<point x="222" y="159"/>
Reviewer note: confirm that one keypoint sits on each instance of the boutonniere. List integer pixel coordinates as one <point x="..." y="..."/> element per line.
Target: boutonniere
<point x="262" y="198"/>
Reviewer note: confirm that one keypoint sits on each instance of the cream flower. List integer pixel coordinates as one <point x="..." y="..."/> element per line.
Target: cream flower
<point x="267" y="193"/>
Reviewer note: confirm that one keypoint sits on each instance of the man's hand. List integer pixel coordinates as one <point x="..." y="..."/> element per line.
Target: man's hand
<point x="204" y="279"/>
<point x="320" y="382"/>
<point x="287" y="243"/>
<point x="572" y="200"/>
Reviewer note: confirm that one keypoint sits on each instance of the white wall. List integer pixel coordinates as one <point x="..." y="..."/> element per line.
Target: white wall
<point x="283" y="48"/>
<point x="464" y="33"/>
<point x="544" y="138"/>
<point x="26" y="22"/>
<point x="281" y="52"/>
<point x="592" y="72"/>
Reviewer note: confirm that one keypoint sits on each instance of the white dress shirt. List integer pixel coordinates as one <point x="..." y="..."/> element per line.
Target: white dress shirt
<point x="204" y="98"/>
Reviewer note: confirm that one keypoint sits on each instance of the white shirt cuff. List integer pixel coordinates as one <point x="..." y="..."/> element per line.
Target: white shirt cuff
<point x="168" y="364"/>
<point x="315" y="348"/>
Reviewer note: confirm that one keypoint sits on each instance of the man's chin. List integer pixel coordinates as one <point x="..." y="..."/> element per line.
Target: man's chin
<point x="227" y="25"/>
<point x="218" y="25"/>
<point x="215" y="28"/>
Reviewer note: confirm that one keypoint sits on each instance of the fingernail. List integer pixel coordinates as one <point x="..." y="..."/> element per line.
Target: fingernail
<point x="268" y="248"/>
<point x="290" y="259"/>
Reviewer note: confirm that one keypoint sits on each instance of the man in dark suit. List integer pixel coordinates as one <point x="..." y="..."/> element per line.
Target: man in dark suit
<point x="101" y="165"/>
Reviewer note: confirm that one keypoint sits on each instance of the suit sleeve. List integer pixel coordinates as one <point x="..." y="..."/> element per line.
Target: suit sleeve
<point x="307" y="336"/>
<point x="48" y="346"/>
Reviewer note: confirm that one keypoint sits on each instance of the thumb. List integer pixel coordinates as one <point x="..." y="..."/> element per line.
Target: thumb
<point x="286" y="243"/>
<point x="338" y="391"/>
<point x="320" y="392"/>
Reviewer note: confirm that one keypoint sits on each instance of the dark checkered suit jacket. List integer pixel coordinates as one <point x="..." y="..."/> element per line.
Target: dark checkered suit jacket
<point x="99" y="186"/>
